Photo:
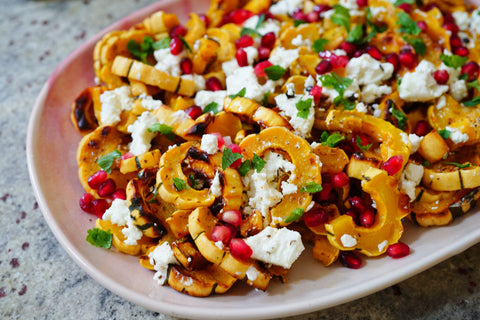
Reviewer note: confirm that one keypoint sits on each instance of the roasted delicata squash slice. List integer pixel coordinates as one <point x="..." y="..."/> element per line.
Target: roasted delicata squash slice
<point x="451" y="178"/>
<point x="83" y="110"/>
<point x="146" y="160"/>
<point x="182" y="125"/>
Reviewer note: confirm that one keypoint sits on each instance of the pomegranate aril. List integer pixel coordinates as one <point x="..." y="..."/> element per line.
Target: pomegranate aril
<point x="324" y="195"/>
<point x="234" y="217"/>
<point x="405" y="7"/>
<point x="398" y="250"/>
<point x="338" y="61"/>
<point x="126" y="155"/>
<point x="393" y="164"/>
<point x="315" y="217"/>
<point x="106" y="188"/>
<point x="235" y="149"/>
<point x="186" y="65"/>
<point x="96" y="179"/>
<point x="259" y="69"/>
<point x="350" y="260"/>
<point x="178" y="30"/>
<point x="367" y="218"/>
<point x="422" y="25"/>
<point x="340" y="179"/>
<point x="362" y="139"/>
<point x="408" y="59"/>
<point x="299" y="15"/>
<point x="455" y="41"/>
<point x="422" y="128"/>
<point x="323" y="67"/>
<point x="461" y="51"/>
<point x="213" y="84"/>
<point x="362" y="3"/>
<point x="99" y="207"/>
<point x="239" y="16"/>
<point x="221" y="233"/>
<point x="357" y="204"/>
<point x="85" y="202"/>
<point x="472" y="69"/>
<point x="322" y="8"/>
<point x="268" y="40"/>
<point x="393" y="59"/>
<point x="240" y="249"/>
<point x="312" y="17"/>
<point x="452" y="27"/>
<point x="358" y="53"/>
<point x="441" y="76"/>
<point x="119" y="194"/>
<point x="244" y="41"/>
<point x="194" y="112"/>
<point x="316" y="93"/>
<point x="349" y="48"/>
<point x="176" y="46"/>
<point x="263" y="53"/>
<point x="352" y="214"/>
<point x="204" y="19"/>
<point x="241" y="57"/>
<point x="374" y="53"/>
<point x="448" y="18"/>
<point x="220" y="140"/>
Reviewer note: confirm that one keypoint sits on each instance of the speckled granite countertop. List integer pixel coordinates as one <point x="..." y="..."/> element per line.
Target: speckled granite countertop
<point x="38" y="280"/>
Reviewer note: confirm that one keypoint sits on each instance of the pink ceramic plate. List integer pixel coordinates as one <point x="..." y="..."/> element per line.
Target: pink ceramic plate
<point x="51" y="145"/>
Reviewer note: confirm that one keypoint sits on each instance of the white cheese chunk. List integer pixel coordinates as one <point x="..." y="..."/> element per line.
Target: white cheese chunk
<point x="367" y="70"/>
<point x="458" y="90"/>
<point x="149" y="103"/>
<point x="461" y="19"/>
<point x="283" y="57"/>
<point x="456" y="135"/>
<point x="160" y="258"/>
<point x="245" y="78"/>
<point x="286" y="7"/>
<point x="216" y="186"/>
<point x="348" y="241"/>
<point x="209" y="143"/>
<point x="420" y="85"/>
<point x="280" y="247"/>
<point x="414" y="141"/>
<point x="474" y="21"/>
<point x="119" y="214"/>
<point x="197" y="79"/>
<point x="288" y="108"/>
<point x="167" y="62"/>
<point x="205" y="97"/>
<point x="141" y="137"/>
<point x="113" y="103"/>
<point x="410" y="178"/>
<point x="269" y="25"/>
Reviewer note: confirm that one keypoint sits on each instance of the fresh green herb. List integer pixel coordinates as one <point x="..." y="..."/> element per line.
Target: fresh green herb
<point x="211" y="107"/>
<point x="249" y="32"/>
<point x="296" y="23"/>
<point x="294" y="215"/>
<point x="347" y="104"/>
<point x="444" y="133"/>
<point x="192" y="180"/>
<point x="106" y="161"/>
<point x="265" y="99"/>
<point x="245" y="167"/>
<point x="163" y="43"/>
<point x="339" y="84"/>
<point x="463" y="76"/>
<point x="142" y="50"/>
<point x="185" y="43"/>
<point x="401" y="118"/>
<point x="257" y="162"/>
<point x="416" y="43"/>
<point x="399" y="81"/>
<point x="99" y="238"/>
<point x="228" y="157"/>
<point x="474" y="84"/>
<point x="180" y="184"/>
<point x="359" y="142"/>
<point x="399" y="2"/>
<point x="240" y="93"/>
<point x="274" y="72"/>
<point x="426" y="163"/>
<point x="303" y="107"/>
<point x="261" y="19"/>
<point x="341" y="16"/>
<point x="456" y="164"/>
<point x="319" y="45"/>
<point x="311" y="187"/>
<point x="167" y="131"/>
<point x="453" y="61"/>
<point x="356" y="35"/>
<point x="472" y="103"/>
<point x="331" y="140"/>
<point x="407" y="25"/>
<point x="153" y="199"/>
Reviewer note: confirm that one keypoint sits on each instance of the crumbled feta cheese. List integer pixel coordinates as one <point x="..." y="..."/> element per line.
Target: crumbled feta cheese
<point x="474" y="22"/>
<point x="269" y="25"/>
<point x="245" y="78"/>
<point x="219" y="244"/>
<point x="405" y="139"/>
<point x="197" y="79"/>
<point x="113" y="103"/>
<point x="283" y="57"/>
<point x="414" y="141"/>
<point x="149" y="103"/>
<point x="308" y="84"/>
<point x="286" y="7"/>
<point x="456" y="135"/>
<point x="377" y="112"/>
<point x="377" y="10"/>
<point x="458" y="90"/>
<point x="167" y="62"/>
<point x="209" y="143"/>
<point x="420" y="84"/>
<point x="288" y="108"/>
<point x="160" y="258"/>
<point x="252" y="273"/>
<point x="298" y="41"/>
<point x="372" y="92"/>
<point x="461" y="19"/>
<point x="348" y="241"/>
<point x="361" y="107"/>
<point x="216" y="186"/>
<point x="288" y="188"/>
<point x="382" y="245"/>
<point x="141" y="137"/>
<point x="205" y="97"/>
<point x="119" y="214"/>
<point x="252" y="54"/>
<point x="352" y="6"/>
<point x="367" y="70"/>
<point x="280" y="247"/>
<point x="411" y="177"/>
<point x="442" y="102"/>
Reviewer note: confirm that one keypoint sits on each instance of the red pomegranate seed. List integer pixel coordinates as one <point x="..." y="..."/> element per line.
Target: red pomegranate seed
<point x="393" y="164"/>
<point x="316" y="93"/>
<point x="244" y="41"/>
<point x="178" y="31"/>
<point x="393" y="59"/>
<point x="350" y="260"/>
<point x="422" y="25"/>
<point x="430" y="6"/>
<point x="422" y="128"/>
<point x="374" y="53"/>
<point x="99" y="207"/>
<point x="322" y="8"/>
<point x="240" y="249"/>
<point x="315" y="217"/>
<point x="299" y="15"/>
<point x="367" y="218"/>
<point x="358" y="53"/>
<point x="268" y="40"/>
<point x="451" y="26"/>
<point x="213" y="84"/>
<point x="354" y="216"/>
<point x="126" y="155"/>
<point x="323" y="67"/>
<point x="349" y="48"/>
<point x="239" y="16"/>
<point x="455" y="41"/>
<point x="338" y="61"/>
<point x="461" y="51"/>
<point x="86" y="202"/>
<point x="362" y="3"/>
<point x="408" y="59"/>
<point x="120" y="194"/>
<point x="220" y="140"/>
<point x="242" y="58"/>
<point x="96" y="179"/>
<point x="234" y="217"/>
<point x="176" y="46"/>
<point x="235" y="149"/>
<point x="357" y="204"/>
<point x="194" y="112"/>
<point x="106" y="188"/>
<point x="441" y="76"/>
<point x="259" y="69"/>
<point x="447" y="17"/>
<point x="263" y="53"/>
<point x="325" y="194"/>
<point x="398" y="250"/>
<point x="340" y="179"/>
<point x="405" y="7"/>
<point x="204" y="19"/>
<point x="472" y="69"/>
<point x="312" y="17"/>
<point x="347" y="147"/>
<point x="222" y="233"/>
<point x="186" y="65"/>
<point x="363" y="139"/>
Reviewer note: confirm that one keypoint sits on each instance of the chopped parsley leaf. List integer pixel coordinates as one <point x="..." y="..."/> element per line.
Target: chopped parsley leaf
<point x="240" y="93"/>
<point x="319" y="45"/>
<point x="258" y="163"/>
<point x="167" y="131"/>
<point x="106" y="161"/>
<point x="359" y="143"/>
<point x="472" y="103"/>
<point x="458" y="165"/>
<point x="211" y="107"/>
<point x="180" y="184"/>
<point x="274" y="72"/>
<point x="341" y="16"/>
<point x="444" y="133"/>
<point x="453" y="61"/>
<point x="295" y="215"/>
<point x="229" y="157"/>
<point x="401" y="118"/>
<point x="311" y="187"/>
<point x="331" y="140"/>
<point x="417" y="44"/>
<point x="407" y="25"/>
<point x="303" y="107"/>
<point x="99" y="238"/>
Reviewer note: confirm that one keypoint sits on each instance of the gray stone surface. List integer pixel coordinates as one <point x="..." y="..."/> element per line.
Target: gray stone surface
<point x="38" y="280"/>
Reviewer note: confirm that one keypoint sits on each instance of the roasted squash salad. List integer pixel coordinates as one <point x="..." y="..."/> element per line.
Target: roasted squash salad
<point x="216" y="150"/>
